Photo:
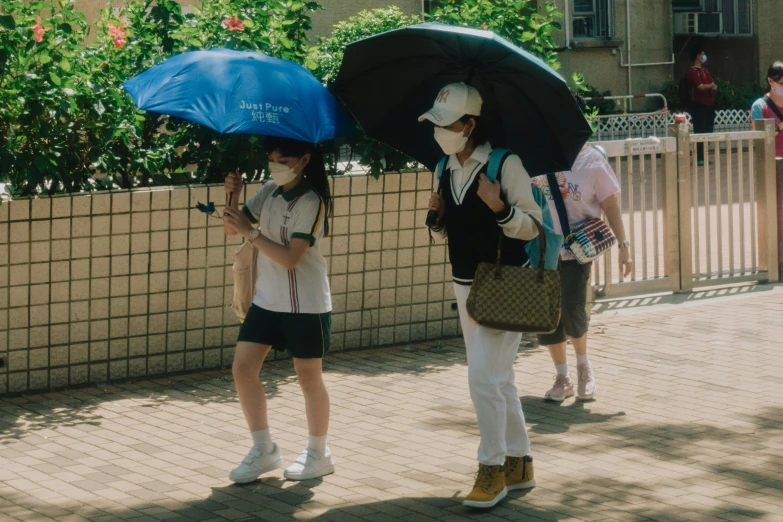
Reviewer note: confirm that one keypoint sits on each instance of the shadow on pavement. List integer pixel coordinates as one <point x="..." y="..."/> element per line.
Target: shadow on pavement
<point x="629" y="303"/>
<point x="748" y="473"/>
<point x="551" y="417"/>
<point x="24" y="415"/>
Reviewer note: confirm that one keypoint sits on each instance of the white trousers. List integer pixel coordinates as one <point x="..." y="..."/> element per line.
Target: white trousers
<point x="491" y="355"/>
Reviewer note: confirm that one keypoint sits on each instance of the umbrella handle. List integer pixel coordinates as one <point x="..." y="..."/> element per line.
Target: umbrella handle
<point x="230" y="195"/>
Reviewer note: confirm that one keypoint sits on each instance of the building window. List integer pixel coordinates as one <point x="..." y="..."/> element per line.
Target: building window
<point x="592" y="18"/>
<point x="736" y="15"/>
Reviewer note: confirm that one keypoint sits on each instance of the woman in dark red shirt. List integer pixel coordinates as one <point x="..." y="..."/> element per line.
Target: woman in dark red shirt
<point x="702" y="99"/>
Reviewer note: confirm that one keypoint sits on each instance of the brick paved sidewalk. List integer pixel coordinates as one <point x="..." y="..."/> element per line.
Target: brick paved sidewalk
<point x="688" y="426"/>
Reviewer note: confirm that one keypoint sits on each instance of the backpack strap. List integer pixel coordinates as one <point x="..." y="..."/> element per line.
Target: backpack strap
<point x="497" y="158"/>
<point x="602" y="151"/>
<point x="557" y="197"/>
<point x="441" y="166"/>
<point x="773" y="107"/>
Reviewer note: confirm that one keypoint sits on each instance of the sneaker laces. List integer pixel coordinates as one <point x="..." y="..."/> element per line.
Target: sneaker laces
<point x="485" y="477"/>
<point x="584" y="372"/>
<point x="565" y="380"/>
<point x="512" y="463"/>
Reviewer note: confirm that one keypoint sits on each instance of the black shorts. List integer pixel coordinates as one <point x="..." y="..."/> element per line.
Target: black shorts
<point x="304" y="336"/>
<point x="574" y="320"/>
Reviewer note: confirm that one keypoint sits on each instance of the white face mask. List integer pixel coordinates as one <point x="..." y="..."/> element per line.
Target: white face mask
<point x="281" y="174"/>
<point x="778" y="90"/>
<point x="451" y="142"/>
<point x="704" y="58"/>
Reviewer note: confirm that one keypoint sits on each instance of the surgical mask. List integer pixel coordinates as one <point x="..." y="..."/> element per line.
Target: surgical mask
<point x="281" y="174"/>
<point x="704" y="58"/>
<point x="778" y="90"/>
<point x="451" y="142"/>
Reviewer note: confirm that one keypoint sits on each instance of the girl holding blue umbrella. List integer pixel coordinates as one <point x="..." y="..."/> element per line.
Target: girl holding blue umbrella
<point x="285" y="220"/>
<point x="235" y="92"/>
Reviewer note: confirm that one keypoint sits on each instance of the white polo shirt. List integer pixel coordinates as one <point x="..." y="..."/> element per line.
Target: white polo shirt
<point x="281" y="217"/>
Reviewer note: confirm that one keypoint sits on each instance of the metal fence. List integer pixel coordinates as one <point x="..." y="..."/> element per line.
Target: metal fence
<point x="689" y="225"/>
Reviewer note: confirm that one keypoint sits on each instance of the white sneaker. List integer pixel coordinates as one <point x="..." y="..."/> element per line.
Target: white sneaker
<point x="310" y="464"/>
<point x="586" y="389"/>
<point x="256" y="464"/>
<point x="563" y="389"/>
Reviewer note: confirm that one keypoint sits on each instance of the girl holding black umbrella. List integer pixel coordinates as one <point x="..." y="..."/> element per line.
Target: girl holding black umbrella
<point x="292" y="306"/>
<point x="473" y="211"/>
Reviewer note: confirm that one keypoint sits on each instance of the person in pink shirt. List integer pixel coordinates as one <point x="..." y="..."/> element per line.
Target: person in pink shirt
<point x="589" y="189"/>
<point x="765" y="107"/>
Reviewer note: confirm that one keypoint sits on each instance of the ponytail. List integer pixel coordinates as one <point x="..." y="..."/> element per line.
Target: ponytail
<point x="315" y="173"/>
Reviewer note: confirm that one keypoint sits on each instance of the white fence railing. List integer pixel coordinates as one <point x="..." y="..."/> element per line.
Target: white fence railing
<point x="694" y="225"/>
<point x="645" y="125"/>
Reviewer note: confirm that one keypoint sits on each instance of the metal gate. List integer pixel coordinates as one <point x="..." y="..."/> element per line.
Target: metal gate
<point x="692" y="226"/>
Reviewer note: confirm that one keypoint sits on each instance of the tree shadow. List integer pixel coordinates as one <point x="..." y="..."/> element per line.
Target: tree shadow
<point x="748" y="471"/>
<point x="25" y="415"/>
<point x="551" y="417"/>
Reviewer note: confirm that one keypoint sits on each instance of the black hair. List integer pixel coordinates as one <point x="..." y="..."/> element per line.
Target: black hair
<point x="314" y="172"/>
<point x="775" y="73"/>
<point x="695" y="52"/>
<point x="480" y="134"/>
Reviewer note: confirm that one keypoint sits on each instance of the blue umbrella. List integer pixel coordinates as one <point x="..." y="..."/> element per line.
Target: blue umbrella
<point x="236" y="92"/>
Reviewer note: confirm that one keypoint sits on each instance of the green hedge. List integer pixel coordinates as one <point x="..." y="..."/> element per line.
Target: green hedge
<point x="66" y="124"/>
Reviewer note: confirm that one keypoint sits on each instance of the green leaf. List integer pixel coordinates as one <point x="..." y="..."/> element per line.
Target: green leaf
<point x="7" y="22"/>
<point x="65" y="65"/>
<point x="55" y="79"/>
<point x="249" y="24"/>
<point x="66" y="28"/>
<point x="44" y="59"/>
<point x="40" y="164"/>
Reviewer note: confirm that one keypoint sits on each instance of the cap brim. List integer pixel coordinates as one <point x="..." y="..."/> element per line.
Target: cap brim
<point x="441" y="117"/>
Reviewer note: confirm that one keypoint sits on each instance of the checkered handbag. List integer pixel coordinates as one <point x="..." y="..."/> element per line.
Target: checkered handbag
<point x="516" y="298"/>
<point x="589" y="239"/>
<point x="244" y="271"/>
<point x="586" y="240"/>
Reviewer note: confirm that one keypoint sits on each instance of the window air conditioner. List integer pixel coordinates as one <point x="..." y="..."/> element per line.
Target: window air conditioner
<point x="698" y="23"/>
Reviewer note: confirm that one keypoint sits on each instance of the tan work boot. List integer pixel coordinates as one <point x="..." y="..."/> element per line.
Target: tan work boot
<point x="490" y="487"/>
<point x="519" y="473"/>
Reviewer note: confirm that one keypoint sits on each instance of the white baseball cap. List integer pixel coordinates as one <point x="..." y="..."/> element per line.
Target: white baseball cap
<point x="453" y="102"/>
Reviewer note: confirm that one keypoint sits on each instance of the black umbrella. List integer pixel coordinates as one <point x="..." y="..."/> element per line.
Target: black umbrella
<point x="387" y="81"/>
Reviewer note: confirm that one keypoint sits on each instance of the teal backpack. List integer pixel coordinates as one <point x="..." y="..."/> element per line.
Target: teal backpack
<point x="554" y="241"/>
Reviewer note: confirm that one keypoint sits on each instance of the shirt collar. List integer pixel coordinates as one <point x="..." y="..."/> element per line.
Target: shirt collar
<point x="480" y="155"/>
<point x="290" y="195"/>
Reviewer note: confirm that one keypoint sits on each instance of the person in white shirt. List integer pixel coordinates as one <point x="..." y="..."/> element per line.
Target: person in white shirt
<point x="473" y="211"/>
<point x="292" y="306"/>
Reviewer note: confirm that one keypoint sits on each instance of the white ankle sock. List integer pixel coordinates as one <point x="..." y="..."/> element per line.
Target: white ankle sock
<point x="562" y="369"/>
<point x="582" y="359"/>
<point x="317" y="443"/>
<point x="262" y="439"/>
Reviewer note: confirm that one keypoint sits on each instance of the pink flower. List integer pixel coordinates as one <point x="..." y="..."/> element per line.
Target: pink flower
<point x="234" y="24"/>
<point x="38" y="30"/>
<point x="115" y="31"/>
<point x="118" y="35"/>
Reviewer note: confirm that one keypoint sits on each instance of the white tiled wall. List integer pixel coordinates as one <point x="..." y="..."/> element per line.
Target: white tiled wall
<point x="106" y="286"/>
